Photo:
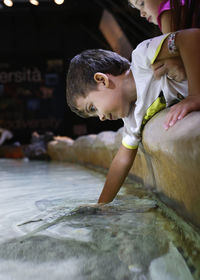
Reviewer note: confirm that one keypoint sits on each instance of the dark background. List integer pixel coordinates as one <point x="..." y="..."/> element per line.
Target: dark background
<point x="45" y="38"/>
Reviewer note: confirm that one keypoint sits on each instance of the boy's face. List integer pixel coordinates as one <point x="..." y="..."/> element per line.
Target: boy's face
<point x="148" y="9"/>
<point x="107" y="103"/>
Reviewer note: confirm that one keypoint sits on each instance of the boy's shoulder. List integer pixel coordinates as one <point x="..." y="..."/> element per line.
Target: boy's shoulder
<point x="148" y="49"/>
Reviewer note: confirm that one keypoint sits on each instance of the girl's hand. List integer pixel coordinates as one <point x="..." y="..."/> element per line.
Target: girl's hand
<point x="173" y="67"/>
<point x="181" y="109"/>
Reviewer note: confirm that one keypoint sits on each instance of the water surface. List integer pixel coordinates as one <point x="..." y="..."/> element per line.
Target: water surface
<point x="44" y="234"/>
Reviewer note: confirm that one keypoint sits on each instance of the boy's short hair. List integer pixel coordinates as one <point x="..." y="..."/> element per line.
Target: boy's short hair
<point x="82" y="68"/>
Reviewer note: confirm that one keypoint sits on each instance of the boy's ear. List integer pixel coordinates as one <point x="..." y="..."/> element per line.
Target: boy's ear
<point x="101" y="78"/>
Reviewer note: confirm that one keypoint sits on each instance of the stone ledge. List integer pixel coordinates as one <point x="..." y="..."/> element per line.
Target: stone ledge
<point x="175" y="163"/>
<point x="168" y="162"/>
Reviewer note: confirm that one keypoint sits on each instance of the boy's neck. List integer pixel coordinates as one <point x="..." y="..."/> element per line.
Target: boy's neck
<point x="128" y="86"/>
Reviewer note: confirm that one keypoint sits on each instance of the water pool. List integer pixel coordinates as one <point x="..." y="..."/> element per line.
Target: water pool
<point x="45" y="235"/>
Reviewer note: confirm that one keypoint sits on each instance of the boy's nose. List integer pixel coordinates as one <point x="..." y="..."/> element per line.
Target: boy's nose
<point x="142" y="13"/>
<point x="102" y="117"/>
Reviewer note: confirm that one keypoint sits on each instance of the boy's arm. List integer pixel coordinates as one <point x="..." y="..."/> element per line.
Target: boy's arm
<point x="117" y="173"/>
<point x="187" y="42"/>
<point x="173" y="67"/>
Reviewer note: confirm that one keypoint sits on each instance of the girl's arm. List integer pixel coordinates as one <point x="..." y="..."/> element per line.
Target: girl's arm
<point x="187" y="42"/>
<point x="173" y="67"/>
<point x="166" y="22"/>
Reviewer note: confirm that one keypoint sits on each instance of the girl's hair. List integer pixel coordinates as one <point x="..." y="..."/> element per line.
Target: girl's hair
<point x="185" y="16"/>
<point x="80" y="76"/>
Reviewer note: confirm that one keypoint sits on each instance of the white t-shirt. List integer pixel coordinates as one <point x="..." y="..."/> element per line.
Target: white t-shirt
<point x="152" y="95"/>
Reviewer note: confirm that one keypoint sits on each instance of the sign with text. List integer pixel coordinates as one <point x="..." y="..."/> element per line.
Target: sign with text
<point x="30" y="97"/>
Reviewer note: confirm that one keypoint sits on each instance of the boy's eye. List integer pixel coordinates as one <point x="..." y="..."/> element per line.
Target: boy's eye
<point x="92" y="109"/>
<point x="139" y="3"/>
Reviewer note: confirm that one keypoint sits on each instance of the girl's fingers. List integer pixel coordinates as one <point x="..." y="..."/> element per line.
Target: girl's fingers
<point x="167" y="121"/>
<point x="177" y="112"/>
<point x="159" y="72"/>
<point x="182" y="114"/>
<point x="172" y="116"/>
<point x="157" y="65"/>
<point x="180" y="110"/>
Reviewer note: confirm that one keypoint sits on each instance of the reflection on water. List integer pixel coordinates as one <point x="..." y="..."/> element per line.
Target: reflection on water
<point x="44" y="234"/>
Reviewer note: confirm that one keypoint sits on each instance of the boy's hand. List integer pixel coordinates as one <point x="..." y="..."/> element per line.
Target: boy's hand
<point x="173" y="67"/>
<point x="181" y="109"/>
<point x="87" y="209"/>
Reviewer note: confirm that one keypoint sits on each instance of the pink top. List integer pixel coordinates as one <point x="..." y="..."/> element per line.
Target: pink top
<point x="165" y="6"/>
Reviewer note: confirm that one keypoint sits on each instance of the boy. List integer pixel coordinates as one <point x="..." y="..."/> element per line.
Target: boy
<point x="102" y="83"/>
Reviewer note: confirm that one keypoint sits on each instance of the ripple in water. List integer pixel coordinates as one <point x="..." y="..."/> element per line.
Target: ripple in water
<point x="45" y="233"/>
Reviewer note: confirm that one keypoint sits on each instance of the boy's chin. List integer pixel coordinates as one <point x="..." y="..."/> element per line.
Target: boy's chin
<point x="122" y="116"/>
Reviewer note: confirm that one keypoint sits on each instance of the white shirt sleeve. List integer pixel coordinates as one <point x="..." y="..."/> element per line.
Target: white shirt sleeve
<point x="142" y="58"/>
<point x="131" y="133"/>
<point x="147" y="51"/>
